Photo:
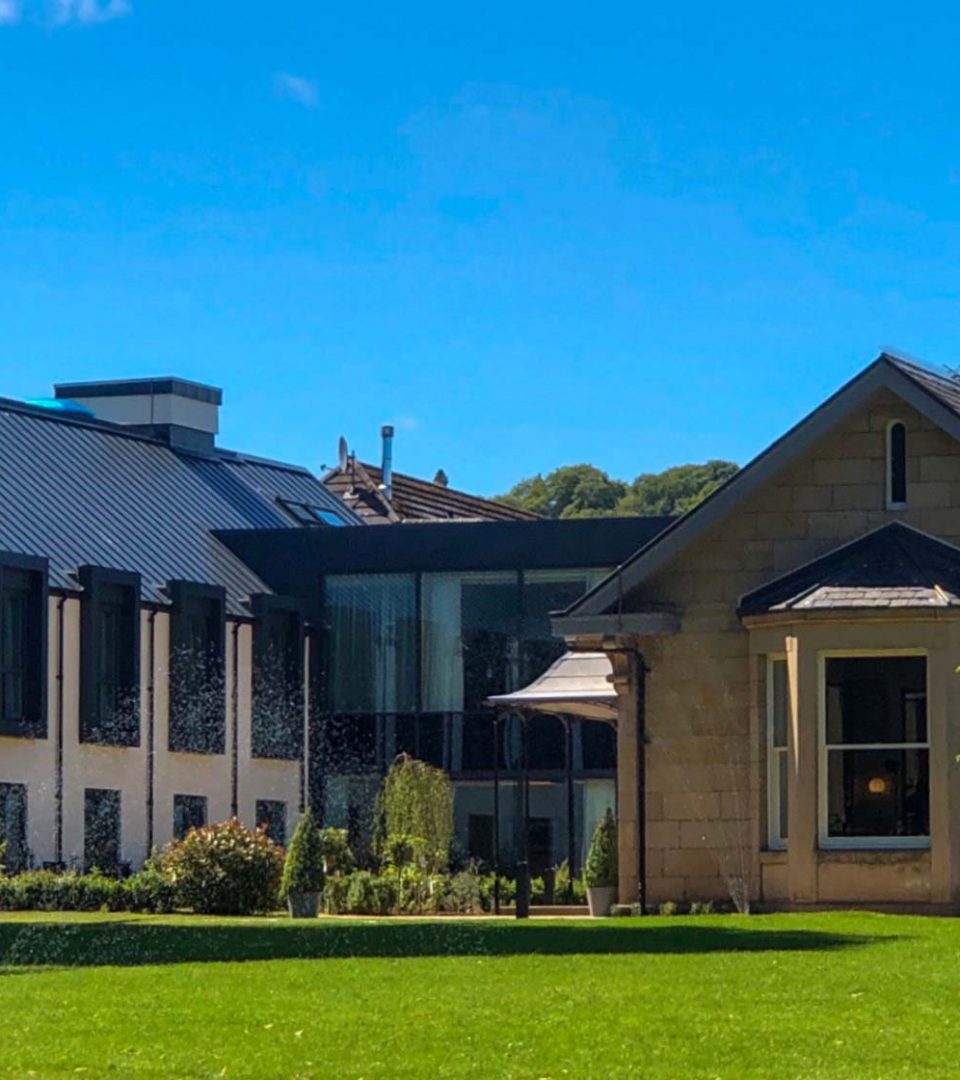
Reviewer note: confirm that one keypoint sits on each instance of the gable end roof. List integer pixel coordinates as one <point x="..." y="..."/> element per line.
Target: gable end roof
<point x="936" y="396"/>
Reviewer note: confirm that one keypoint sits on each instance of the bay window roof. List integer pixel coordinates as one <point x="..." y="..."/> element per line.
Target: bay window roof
<point x="894" y="567"/>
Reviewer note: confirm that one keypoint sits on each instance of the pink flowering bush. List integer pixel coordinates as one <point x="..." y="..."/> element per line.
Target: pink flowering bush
<point x="225" y="869"/>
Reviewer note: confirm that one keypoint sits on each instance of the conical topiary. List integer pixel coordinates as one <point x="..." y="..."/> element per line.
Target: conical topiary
<point x="303" y="867"/>
<point x="601" y="870"/>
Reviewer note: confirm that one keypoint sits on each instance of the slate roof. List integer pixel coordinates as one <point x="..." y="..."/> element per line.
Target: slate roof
<point x="894" y="567"/>
<point x="358" y="485"/>
<point x="85" y="491"/>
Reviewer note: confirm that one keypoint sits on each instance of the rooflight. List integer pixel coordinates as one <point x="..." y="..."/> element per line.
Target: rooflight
<point x="310" y="515"/>
<point x="60" y="405"/>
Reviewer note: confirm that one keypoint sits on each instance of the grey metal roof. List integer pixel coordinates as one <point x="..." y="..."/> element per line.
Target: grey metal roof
<point x="80" y="491"/>
<point x="895" y="566"/>
<point x="578" y="684"/>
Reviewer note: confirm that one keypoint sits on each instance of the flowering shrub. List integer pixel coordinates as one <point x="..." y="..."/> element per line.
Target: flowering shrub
<point x="224" y="869"/>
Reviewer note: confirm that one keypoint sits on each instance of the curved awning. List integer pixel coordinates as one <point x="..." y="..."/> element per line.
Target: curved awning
<point x="578" y="684"/>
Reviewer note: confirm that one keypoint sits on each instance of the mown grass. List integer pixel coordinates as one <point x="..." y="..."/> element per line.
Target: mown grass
<point x="841" y="995"/>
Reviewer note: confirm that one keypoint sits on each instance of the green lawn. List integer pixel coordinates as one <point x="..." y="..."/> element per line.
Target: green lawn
<point x="786" y="996"/>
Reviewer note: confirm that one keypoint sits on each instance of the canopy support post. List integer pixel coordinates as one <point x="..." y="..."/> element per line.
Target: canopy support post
<point x="523" y="869"/>
<point x="571" y="798"/>
<point x="496" y="813"/>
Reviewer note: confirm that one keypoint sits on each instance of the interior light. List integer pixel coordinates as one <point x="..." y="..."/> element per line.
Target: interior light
<point x="877" y="785"/>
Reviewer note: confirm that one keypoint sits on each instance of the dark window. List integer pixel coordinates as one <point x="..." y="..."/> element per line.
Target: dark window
<point x="273" y="814"/>
<point x="897" y="464"/>
<point x="477" y="743"/>
<point x="878" y="759"/>
<point x="540" y="839"/>
<point x="13" y="827"/>
<point x="371" y="643"/>
<point x="541" y="596"/>
<point x="110" y="657"/>
<point x="101" y="830"/>
<point x="311" y="515"/>
<point x="546" y="744"/>
<point x="197" y="645"/>
<point x="277" y="729"/>
<point x="351" y="744"/>
<point x="189" y="812"/>
<point x="23" y="620"/>
<point x="598" y="742"/>
<point x="490" y="612"/>
<point x="480" y="837"/>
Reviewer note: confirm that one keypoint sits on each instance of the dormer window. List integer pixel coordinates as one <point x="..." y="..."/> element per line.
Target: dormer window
<point x="896" y="465"/>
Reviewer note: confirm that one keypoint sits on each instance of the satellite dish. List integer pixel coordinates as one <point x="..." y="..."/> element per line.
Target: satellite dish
<point x="343" y="454"/>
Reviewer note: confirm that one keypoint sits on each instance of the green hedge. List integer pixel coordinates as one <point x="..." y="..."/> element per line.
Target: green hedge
<point x="44" y="890"/>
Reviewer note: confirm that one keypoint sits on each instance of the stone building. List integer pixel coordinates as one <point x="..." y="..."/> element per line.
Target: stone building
<point x="786" y="657"/>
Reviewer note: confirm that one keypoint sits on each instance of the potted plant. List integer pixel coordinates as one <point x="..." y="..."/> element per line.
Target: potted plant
<point x="601" y="873"/>
<point x="302" y="881"/>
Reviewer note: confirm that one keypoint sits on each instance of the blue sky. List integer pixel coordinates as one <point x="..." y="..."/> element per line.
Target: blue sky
<point x="527" y="234"/>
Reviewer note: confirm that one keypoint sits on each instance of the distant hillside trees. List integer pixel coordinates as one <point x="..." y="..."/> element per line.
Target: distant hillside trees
<point x="578" y="491"/>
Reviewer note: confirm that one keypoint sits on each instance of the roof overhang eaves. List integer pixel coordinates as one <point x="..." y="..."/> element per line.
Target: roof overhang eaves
<point x="883" y="373"/>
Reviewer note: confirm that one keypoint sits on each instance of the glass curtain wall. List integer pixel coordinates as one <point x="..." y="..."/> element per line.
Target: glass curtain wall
<point x="410" y="660"/>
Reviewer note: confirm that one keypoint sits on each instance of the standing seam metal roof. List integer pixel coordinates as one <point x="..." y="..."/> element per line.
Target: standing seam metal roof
<point x="88" y="492"/>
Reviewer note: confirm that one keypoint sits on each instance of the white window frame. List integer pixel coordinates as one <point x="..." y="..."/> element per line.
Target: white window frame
<point x="888" y="462"/>
<point x="775" y="842"/>
<point x="860" y="842"/>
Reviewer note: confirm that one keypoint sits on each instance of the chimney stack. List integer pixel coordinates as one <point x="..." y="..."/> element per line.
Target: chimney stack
<point x="179" y="412"/>
<point x="386" y="466"/>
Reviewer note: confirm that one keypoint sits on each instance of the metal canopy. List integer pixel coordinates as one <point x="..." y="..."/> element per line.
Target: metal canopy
<point x="578" y="684"/>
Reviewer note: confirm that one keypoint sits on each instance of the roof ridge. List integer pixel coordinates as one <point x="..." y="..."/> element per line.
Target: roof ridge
<point x="446" y="488"/>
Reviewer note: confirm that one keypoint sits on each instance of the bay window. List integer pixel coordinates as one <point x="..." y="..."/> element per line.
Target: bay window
<point x="875" y="757"/>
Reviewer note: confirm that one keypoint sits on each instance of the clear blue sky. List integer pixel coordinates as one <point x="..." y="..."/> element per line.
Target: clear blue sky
<point x="528" y="234"/>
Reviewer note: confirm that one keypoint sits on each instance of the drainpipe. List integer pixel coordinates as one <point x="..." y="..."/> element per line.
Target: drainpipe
<point x="235" y="735"/>
<point x="151" y="720"/>
<point x="58" y="800"/>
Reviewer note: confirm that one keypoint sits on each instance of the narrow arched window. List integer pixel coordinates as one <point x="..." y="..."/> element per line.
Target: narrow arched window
<point x="896" y="465"/>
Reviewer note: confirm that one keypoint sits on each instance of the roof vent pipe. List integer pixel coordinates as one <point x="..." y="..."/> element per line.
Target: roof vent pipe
<point x="386" y="467"/>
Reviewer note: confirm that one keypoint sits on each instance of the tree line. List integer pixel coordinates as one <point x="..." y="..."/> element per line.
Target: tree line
<point x="581" y="491"/>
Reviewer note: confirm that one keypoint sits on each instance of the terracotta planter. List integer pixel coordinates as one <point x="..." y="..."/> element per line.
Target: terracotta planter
<point x="304" y="905"/>
<point x="601" y="900"/>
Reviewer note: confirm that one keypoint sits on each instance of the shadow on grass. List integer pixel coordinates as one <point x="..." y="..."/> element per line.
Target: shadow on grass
<point x="132" y="943"/>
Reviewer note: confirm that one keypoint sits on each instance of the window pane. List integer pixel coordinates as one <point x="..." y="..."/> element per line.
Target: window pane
<point x="779" y="702"/>
<point x="898" y="463"/>
<point x="539" y="648"/>
<point x="546" y="743"/>
<point x="878" y="793"/>
<point x="490" y="612"/>
<point x="599" y="744"/>
<point x="13" y="826"/>
<point x="783" y="794"/>
<point x="876" y="699"/>
<point x="273" y="814"/>
<point x="372" y="643"/>
<point x="189" y="812"/>
<point x="277" y="724"/>
<point x="101" y="830"/>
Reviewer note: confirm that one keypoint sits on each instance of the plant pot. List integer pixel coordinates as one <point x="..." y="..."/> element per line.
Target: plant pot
<point x="303" y="905"/>
<point x="601" y="899"/>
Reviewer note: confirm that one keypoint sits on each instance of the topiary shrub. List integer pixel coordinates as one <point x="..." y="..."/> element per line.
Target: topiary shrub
<point x="224" y="869"/>
<point x="303" y="867"/>
<point x="602" y="869"/>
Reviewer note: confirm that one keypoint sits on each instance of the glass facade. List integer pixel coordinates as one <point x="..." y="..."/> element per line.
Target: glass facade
<point x="410" y="660"/>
